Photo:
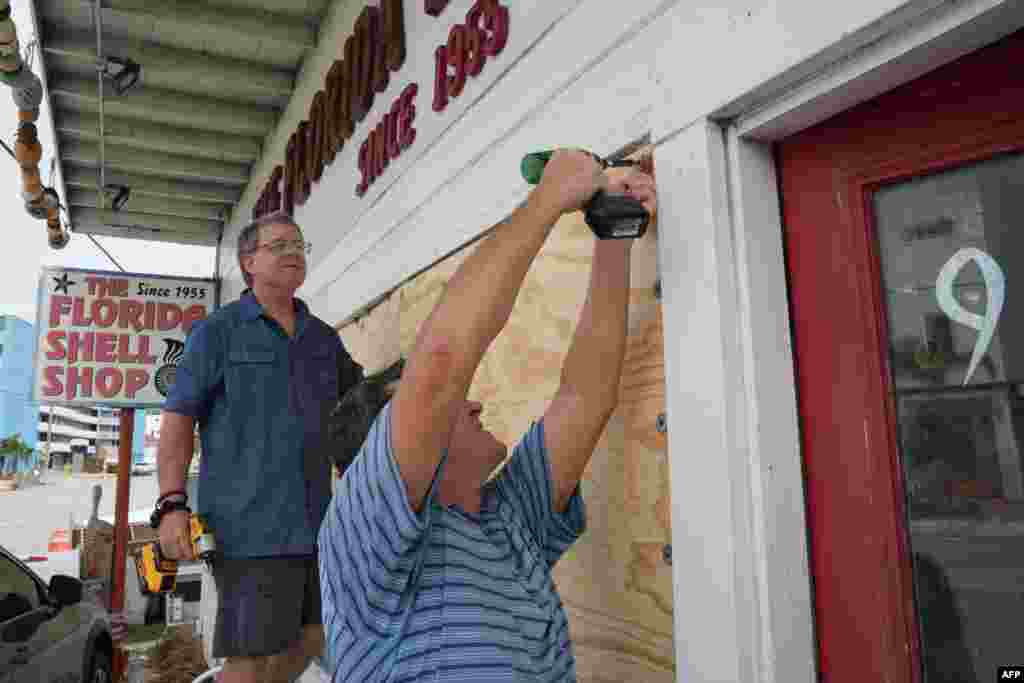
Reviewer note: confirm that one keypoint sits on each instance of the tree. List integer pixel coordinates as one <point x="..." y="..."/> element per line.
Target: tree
<point x="14" y="446"/>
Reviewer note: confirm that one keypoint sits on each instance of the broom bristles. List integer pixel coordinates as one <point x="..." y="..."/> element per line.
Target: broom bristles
<point x="178" y="659"/>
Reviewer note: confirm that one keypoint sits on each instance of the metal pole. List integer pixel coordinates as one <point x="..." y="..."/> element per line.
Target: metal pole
<point x="49" y="439"/>
<point x="124" y="473"/>
<point x="100" y="68"/>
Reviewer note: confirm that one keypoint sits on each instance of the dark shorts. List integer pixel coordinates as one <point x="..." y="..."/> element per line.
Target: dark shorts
<point x="262" y="604"/>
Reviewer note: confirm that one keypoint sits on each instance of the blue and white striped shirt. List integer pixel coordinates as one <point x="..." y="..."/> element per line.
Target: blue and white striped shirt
<point x="484" y="607"/>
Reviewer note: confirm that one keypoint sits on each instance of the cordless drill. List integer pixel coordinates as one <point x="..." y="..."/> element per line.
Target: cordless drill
<point x="610" y="216"/>
<point x="159" y="574"/>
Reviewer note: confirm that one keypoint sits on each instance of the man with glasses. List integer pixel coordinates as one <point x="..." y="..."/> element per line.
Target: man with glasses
<point x="260" y="376"/>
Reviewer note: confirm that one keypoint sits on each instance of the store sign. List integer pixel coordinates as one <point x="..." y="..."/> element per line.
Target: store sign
<point x="113" y="338"/>
<point x="375" y="49"/>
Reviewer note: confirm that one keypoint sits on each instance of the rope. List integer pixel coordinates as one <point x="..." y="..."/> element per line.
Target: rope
<point x="99" y="246"/>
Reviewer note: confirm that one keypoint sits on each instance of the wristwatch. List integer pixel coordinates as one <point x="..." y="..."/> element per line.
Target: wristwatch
<point x="165" y="505"/>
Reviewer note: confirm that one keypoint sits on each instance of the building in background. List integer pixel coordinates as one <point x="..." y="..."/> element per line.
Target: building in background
<point x="94" y="431"/>
<point x="17" y="411"/>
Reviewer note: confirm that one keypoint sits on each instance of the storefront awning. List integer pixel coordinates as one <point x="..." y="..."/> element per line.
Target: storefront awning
<point x="160" y="109"/>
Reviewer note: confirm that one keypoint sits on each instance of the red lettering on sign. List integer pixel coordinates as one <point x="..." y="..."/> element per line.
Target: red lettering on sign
<point x="362" y="52"/>
<point x="475" y="57"/>
<point x="376" y="47"/>
<point x="59" y="305"/>
<point x="289" y="175"/>
<point x="394" y="33"/>
<point x="457" y="60"/>
<point x="55" y="340"/>
<point x="379" y="76"/>
<point x="79" y="378"/>
<point x="343" y="105"/>
<point x="434" y="7"/>
<point x="141" y="355"/>
<point x="364" y="169"/>
<point x="150" y="316"/>
<point x="325" y="142"/>
<point x="135" y="380"/>
<point x="305" y="186"/>
<point x="106" y="347"/>
<point x="484" y="35"/>
<point x="109" y="382"/>
<point x="191" y="316"/>
<point x="406" y="116"/>
<point x="168" y="316"/>
<point x="80" y="343"/>
<point x="104" y="312"/>
<point x="314" y="139"/>
<point x="332" y="129"/>
<point x="495" y="24"/>
<point x="388" y="139"/>
<point x="52" y="386"/>
<point x="131" y="314"/>
<point x="440" y="78"/>
<point x="78" y="315"/>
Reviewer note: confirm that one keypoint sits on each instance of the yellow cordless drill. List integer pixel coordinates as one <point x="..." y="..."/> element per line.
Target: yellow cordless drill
<point x="158" y="573"/>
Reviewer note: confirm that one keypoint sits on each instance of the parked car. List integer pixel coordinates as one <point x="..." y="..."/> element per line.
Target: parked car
<point x="47" y="633"/>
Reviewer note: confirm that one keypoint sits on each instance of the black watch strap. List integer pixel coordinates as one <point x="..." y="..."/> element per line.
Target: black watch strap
<point x="163" y="508"/>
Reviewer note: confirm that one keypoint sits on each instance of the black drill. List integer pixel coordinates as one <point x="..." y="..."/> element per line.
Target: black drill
<point x="610" y="216"/>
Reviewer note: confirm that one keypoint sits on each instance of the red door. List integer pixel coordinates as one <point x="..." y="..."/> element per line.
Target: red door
<point x="904" y="230"/>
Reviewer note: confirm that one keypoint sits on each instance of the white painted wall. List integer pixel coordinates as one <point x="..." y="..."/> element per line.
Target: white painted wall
<point x="601" y="74"/>
<point x="580" y="72"/>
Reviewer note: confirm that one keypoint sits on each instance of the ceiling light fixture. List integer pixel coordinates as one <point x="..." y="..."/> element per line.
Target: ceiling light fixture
<point x="119" y="195"/>
<point x="122" y="73"/>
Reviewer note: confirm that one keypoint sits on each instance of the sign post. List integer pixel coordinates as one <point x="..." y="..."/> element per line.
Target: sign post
<point x="114" y="339"/>
<point x="124" y="473"/>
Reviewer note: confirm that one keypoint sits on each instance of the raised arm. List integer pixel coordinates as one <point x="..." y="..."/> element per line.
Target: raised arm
<point x="589" y="387"/>
<point x="472" y="311"/>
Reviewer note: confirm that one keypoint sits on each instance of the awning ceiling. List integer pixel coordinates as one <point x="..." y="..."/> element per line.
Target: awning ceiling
<point x="215" y="77"/>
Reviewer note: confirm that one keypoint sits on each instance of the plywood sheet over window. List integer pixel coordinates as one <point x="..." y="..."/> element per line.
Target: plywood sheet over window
<point x="615" y="582"/>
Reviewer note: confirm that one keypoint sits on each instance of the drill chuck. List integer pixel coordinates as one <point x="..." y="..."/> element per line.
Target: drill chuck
<point x="610" y="216"/>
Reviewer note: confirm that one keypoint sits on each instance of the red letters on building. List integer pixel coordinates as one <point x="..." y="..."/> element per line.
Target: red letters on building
<point x="376" y="47"/>
<point x="434" y="7"/>
<point x="484" y="35"/>
<point x="387" y="141"/>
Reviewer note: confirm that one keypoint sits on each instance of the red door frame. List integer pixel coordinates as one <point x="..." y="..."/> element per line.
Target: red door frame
<point x="969" y="110"/>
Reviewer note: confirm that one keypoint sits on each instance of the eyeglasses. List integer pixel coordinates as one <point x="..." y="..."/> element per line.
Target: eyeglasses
<point x="282" y="247"/>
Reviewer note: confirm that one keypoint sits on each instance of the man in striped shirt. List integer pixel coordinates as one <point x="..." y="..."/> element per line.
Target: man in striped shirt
<point x="430" y="571"/>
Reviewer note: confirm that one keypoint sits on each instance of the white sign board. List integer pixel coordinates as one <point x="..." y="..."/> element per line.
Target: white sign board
<point x="108" y="338"/>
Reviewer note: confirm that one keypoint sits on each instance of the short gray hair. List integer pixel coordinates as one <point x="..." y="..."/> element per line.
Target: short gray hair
<point x="250" y="237"/>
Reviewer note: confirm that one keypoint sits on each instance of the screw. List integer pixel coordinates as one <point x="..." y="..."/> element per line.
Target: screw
<point x="666" y="553"/>
<point x="662" y="423"/>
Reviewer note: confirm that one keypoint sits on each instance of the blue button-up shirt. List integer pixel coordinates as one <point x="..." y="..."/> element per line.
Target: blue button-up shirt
<point x="262" y="400"/>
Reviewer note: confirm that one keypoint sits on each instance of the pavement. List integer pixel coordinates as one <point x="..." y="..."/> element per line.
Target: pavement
<point x="29" y="515"/>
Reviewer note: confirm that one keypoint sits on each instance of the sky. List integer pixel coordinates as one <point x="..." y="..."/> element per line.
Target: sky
<point x="25" y="251"/>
